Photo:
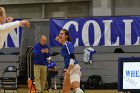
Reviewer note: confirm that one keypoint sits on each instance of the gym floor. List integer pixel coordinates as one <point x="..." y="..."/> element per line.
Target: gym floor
<point x="25" y="90"/>
<point x="57" y="91"/>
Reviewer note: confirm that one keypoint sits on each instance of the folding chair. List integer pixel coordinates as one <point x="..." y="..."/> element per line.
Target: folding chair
<point x="9" y="78"/>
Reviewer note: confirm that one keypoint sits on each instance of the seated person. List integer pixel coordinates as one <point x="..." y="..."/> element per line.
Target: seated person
<point x="52" y="71"/>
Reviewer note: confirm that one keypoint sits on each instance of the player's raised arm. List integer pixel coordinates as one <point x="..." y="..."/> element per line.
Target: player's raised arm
<point x="6" y="28"/>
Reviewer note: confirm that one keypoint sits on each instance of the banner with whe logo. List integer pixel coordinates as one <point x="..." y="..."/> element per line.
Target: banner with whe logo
<point x="98" y="31"/>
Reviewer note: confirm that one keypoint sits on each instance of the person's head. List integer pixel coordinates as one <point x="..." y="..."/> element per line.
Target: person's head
<point x="64" y="36"/>
<point x="43" y="40"/>
<point x="2" y="15"/>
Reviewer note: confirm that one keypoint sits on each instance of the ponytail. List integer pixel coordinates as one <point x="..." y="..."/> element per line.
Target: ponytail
<point x="69" y="39"/>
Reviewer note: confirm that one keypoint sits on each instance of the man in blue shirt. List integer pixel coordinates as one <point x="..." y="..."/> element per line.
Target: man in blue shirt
<point x="41" y="53"/>
<point x="52" y="71"/>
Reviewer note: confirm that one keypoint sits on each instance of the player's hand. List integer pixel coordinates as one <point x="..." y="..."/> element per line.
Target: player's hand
<point x="24" y="23"/>
<point x="57" y="38"/>
<point x="67" y="72"/>
<point x="9" y="19"/>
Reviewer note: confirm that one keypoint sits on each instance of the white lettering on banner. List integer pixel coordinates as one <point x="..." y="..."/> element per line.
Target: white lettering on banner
<point x="67" y="25"/>
<point x="127" y="23"/>
<point x="107" y="35"/>
<point x="128" y="33"/>
<point x="15" y="38"/>
<point x="85" y="33"/>
<point x="138" y="41"/>
<point x="117" y="42"/>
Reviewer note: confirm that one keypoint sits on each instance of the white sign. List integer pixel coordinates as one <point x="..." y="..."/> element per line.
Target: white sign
<point x="131" y="75"/>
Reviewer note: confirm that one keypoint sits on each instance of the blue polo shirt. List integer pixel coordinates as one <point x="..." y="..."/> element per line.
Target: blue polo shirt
<point x="40" y="58"/>
<point x="51" y="65"/>
<point x="66" y="50"/>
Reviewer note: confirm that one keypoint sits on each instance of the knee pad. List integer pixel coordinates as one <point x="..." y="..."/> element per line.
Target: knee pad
<point x="74" y="77"/>
<point x="78" y="90"/>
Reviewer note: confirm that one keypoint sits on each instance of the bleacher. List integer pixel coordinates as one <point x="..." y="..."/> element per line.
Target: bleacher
<point x="105" y="61"/>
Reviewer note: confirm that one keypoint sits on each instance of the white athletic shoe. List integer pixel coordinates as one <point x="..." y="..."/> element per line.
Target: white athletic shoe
<point x="78" y="90"/>
<point x="50" y="90"/>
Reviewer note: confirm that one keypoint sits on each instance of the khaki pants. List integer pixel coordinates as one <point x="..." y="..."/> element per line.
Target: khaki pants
<point x="40" y="73"/>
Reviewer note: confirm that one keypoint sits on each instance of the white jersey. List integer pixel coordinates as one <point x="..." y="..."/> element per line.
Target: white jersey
<point x="88" y="52"/>
<point x="5" y="29"/>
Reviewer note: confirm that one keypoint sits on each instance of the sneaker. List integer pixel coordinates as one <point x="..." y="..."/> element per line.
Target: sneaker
<point x="50" y="90"/>
<point x="38" y="92"/>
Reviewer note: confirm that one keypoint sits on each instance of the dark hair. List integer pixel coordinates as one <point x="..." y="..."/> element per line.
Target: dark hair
<point x="67" y="34"/>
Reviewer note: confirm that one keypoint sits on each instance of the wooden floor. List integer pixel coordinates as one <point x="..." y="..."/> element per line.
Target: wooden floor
<point x="25" y="90"/>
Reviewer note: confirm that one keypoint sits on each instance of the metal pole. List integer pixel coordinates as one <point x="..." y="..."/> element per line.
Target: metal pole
<point x="28" y="63"/>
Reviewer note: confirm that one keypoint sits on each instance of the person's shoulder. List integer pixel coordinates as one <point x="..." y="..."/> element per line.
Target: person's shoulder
<point x="68" y="43"/>
<point x="37" y="44"/>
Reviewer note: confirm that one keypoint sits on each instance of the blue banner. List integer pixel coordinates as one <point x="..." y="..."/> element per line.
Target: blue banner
<point x="98" y="31"/>
<point x="14" y="38"/>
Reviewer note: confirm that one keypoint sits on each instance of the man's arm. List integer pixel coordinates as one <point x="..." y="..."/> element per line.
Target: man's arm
<point x="36" y="51"/>
<point x="53" y="69"/>
<point x="48" y="51"/>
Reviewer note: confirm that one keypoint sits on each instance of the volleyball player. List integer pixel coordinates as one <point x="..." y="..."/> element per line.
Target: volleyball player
<point x="72" y="69"/>
<point x="6" y="28"/>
